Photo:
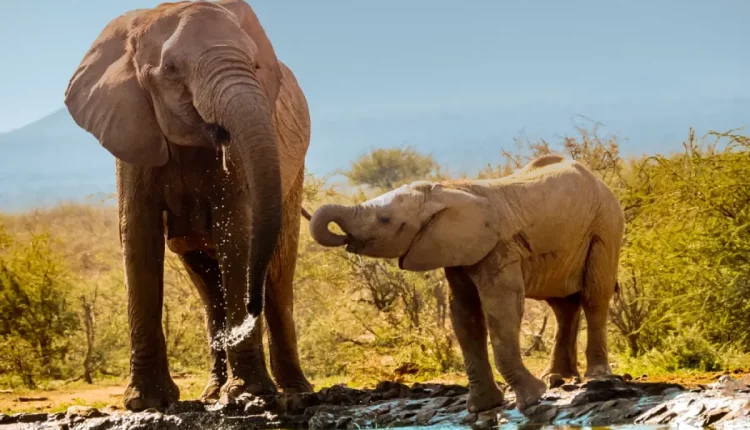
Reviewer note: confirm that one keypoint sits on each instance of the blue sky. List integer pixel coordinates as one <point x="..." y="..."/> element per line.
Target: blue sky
<point x="368" y="59"/>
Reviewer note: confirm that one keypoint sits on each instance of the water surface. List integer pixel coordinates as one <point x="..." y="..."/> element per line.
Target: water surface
<point x="537" y="427"/>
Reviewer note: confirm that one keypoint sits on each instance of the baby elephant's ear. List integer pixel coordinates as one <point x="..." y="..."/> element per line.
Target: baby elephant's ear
<point x="460" y="234"/>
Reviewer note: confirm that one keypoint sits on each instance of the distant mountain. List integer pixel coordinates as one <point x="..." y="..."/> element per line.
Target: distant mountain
<point x="469" y="139"/>
<point x="50" y="160"/>
<point x="53" y="159"/>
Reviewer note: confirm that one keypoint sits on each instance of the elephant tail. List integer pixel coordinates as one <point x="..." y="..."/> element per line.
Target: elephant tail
<point x="306" y="214"/>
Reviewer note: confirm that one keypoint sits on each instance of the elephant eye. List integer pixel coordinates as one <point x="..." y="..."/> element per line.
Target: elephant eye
<point x="384" y="219"/>
<point x="169" y="68"/>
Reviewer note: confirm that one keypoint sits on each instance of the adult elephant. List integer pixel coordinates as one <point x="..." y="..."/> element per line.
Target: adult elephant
<point x="165" y="90"/>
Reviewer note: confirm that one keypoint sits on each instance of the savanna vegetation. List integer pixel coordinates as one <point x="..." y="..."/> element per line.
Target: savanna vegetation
<point x="684" y="302"/>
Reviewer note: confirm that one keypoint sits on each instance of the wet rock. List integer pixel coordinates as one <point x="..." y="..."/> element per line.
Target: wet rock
<point x="455" y="409"/>
<point x="671" y="390"/>
<point x="343" y="422"/>
<point x="30" y="417"/>
<point x="541" y="413"/>
<point x="453" y="390"/>
<point x="56" y="417"/>
<point x="546" y="416"/>
<point x="255" y="407"/>
<point x="583" y="410"/>
<point x="423" y="418"/>
<point x="295" y="403"/>
<point x="555" y="380"/>
<point x="391" y="394"/>
<point x="111" y="409"/>
<point x="603" y="390"/>
<point x="385" y="386"/>
<point x="650" y="414"/>
<point x="602" y="401"/>
<point x="441" y="402"/>
<point x="414" y="405"/>
<point x="180" y="407"/>
<point x="655" y="388"/>
<point x="83" y="411"/>
<point x="726" y="382"/>
<point x="606" y="417"/>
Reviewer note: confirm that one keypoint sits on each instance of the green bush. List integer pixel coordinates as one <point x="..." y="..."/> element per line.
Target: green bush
<point x="684" y="278"/>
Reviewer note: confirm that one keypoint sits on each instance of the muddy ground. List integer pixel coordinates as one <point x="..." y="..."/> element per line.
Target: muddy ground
<point x="610" y="401"/>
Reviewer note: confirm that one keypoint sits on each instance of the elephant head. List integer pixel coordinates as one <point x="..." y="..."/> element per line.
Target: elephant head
<point x="198" y="74"/>
<point x="425" y="225"/>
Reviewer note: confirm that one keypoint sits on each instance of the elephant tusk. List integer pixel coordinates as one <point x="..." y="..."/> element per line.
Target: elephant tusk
<point x="224" y="157"/>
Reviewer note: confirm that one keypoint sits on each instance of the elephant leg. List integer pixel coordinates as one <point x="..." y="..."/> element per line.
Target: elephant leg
<point x="206" y="276"/>
<point x="599" y="286"/>
<point x="285" y="363"/>
<point x="501" y="291"/>
<point x="471" y="331"/>
<point x="142" y="239"/>
<point x="564" y="355"/>
<point x="244" y="347"/>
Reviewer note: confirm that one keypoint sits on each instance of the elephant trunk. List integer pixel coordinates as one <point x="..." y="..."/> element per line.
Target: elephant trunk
<point x="255" y="142"/>
<point x="238" y="103"/>
<point x="325" y="215"/>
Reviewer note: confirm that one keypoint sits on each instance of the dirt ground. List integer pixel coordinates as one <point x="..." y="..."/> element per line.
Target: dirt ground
<point x="693" y="380"/>
<point x="99" y="395"/>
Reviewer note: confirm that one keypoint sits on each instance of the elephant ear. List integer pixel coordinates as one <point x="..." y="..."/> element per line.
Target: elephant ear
<point x="292" y="121"/>
<point x="268" y="72"/>
<point x="460" y="233"/>
<point x="105" y="98"/>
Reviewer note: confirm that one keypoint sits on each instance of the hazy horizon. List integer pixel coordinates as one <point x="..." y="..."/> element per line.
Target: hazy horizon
<point x="437" y="75"/>
<point x="362" y="60"/>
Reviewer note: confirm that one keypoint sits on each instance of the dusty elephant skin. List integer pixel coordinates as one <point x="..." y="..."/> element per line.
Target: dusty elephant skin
<point x="210" y="132"/>
<point x="550" y="231"/>
<point x="605" y="401"/>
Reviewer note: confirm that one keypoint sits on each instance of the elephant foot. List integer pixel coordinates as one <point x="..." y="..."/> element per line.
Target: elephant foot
<point x="529" y="392"/>
<point x="484" y="398"/>
<point x="565" y="371"/>
<point x="598" y="370"/>
<point x="236" y="386"/>
<point x="144" y="393"/>
<point x="212" y="392"/>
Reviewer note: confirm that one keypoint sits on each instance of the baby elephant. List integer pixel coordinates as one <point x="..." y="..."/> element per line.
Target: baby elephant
<point x="550" y="231"/>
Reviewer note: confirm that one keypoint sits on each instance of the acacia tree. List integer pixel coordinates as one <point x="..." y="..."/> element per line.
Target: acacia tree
<point x="387" y="168"/>
<point x="413" y="305"/>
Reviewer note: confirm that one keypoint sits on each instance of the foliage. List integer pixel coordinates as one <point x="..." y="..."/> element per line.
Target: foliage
<point x="387" y="168"/>
<point x="684" y="277"/>
<point x="36" y="318"/>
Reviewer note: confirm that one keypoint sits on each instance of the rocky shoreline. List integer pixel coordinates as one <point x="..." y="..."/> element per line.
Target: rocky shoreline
<point x="611" y="401"/>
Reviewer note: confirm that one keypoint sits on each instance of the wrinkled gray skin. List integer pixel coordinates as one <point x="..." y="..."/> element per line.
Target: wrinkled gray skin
<point x="163" y="90"/>
<point x="551" y="231"/>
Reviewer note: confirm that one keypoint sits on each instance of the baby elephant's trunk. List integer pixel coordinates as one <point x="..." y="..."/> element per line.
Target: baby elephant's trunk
<point x="325" y="215"/>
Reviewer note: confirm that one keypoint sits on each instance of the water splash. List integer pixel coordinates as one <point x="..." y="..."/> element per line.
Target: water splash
<point x="236" y="335"/>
